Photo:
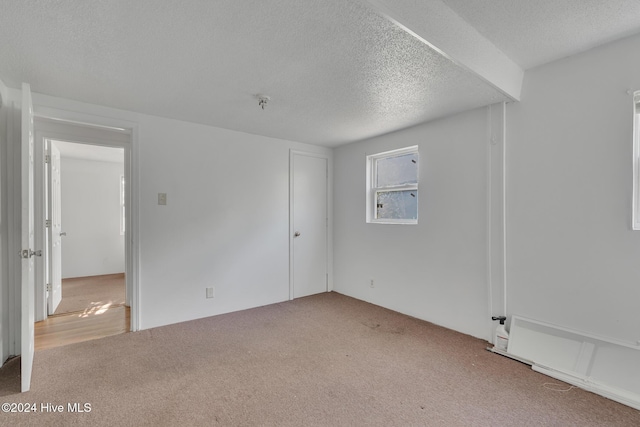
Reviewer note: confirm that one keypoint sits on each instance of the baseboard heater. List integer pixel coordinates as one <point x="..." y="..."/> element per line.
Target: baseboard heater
<point x="600" y="365"/>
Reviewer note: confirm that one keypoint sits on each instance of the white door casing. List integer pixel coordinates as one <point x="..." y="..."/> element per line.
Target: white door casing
<point x="309" y="224"/>
<point x="62" y="125"/>
<point x="27" y="239"/>
<point x="40" y="232"/>
<point x="55" y="230"/>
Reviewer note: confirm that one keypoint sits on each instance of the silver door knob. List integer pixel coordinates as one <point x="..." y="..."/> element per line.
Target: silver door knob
<point x="296" y="234"/>
<point x="64" y="233"/>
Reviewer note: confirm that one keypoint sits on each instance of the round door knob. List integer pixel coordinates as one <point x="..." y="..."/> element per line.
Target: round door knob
<point x="296" y="234"/>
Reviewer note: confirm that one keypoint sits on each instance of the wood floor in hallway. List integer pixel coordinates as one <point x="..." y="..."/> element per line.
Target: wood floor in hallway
<point x="92" y="307"/>
<point x="76" y="327"/>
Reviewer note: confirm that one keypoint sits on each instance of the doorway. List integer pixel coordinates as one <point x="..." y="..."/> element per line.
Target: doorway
<point x="85" y="201"/>
<point x="82" y="197"/>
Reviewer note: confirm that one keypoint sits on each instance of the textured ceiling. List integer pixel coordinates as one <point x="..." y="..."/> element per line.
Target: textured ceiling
<point x="336" y="70"/>
<point x="532" y="33"/>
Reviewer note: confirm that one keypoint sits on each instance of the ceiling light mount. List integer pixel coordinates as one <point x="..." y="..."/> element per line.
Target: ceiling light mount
<point x="262" y="100"/>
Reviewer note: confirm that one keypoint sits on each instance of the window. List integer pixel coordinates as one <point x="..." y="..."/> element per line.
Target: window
<point x="636" y="161"/>
<point x="122" y="199"/>
<point x="392" y="189"/>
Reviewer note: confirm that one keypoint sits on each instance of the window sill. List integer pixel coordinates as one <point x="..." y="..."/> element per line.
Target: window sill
<point x="387" y="222"/>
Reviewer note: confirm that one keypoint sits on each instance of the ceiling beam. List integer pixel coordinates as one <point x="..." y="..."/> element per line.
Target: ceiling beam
<point x="436" y="25"/>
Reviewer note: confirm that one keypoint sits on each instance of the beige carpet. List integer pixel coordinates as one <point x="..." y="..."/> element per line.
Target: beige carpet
<point x="87" y="293"/>
<point x="325" y="360"/>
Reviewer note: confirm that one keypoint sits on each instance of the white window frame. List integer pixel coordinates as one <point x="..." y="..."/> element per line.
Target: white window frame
<point x="635" y="215"/>
<point x="373" y="190"/>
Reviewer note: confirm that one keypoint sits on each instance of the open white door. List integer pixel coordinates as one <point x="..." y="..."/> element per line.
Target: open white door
<point x="27" y="230"/>
<point x="55" y="230"/>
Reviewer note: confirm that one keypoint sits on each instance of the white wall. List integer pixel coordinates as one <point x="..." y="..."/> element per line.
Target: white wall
<point x="435" y="270"/>
<point x="226" y="222"/>
<point x="226" y="219"/>
<point x="572" y="257"/>
<point x="91" y="217"/>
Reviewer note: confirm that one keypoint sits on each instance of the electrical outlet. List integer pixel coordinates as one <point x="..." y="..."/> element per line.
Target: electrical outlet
<point x="372" y="284"/>
<point x="162" y="198"/>
<point x="210" y="293"/>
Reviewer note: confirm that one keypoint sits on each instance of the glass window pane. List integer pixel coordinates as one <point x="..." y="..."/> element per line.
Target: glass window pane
<point x="397" y="204"/>
<point x="397" y="170"/>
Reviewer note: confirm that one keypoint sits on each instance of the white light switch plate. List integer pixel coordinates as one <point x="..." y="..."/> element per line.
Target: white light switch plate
<point x="162" y="198"/>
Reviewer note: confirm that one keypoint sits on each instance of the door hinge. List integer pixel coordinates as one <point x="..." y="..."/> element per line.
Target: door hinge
<point x="47" y="158"/>
<point x="48" y="287"/>
<point x="47" y="223"/>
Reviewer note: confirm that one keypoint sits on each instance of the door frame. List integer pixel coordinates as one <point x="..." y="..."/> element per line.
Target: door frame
<point x="329" y="229"/>
<point x="75" y="127"/>
<point x="51" y="210"/>
<point x="28" y="251"/>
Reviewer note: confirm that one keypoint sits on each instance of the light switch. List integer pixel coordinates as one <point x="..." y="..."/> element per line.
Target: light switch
<point x="162" y="198"/>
